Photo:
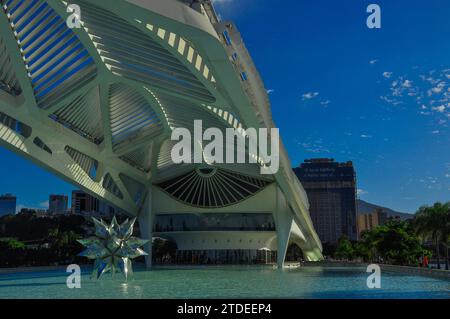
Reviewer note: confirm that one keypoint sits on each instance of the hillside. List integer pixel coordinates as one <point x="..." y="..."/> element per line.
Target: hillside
<point x="367" y="208"/>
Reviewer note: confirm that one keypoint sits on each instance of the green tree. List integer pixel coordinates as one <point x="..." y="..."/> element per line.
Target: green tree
<point x="11" y="243"/>
<point x="396" y="242"/>
<point x="12" y="252"/>
<point x="433" y="222"/>
<point x="446" y="239"/>
<point x="64" y="244"/>
<point x="364" y="249"/>
<point x="445" y="233"/>
<point x="344" y="249"/>
<point x="50" y="240"/>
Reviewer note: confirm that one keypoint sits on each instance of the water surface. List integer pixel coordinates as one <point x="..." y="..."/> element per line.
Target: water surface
<point x="226" y="282"/>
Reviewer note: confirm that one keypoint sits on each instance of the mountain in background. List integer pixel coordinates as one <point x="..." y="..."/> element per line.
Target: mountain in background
<point x="367" y="208"/>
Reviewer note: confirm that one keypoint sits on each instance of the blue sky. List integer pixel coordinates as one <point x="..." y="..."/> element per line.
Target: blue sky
<point x="338" y="89"/>
<point x="377" y="97"/>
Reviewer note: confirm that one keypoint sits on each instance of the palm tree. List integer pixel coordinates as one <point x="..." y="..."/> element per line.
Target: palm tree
<point x="446" y="235"/>
<point x="433" y="222"/>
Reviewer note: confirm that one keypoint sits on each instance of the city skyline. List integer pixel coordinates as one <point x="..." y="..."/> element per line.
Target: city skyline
<point x="77" y="202"/>
<point x="343" y="105"/>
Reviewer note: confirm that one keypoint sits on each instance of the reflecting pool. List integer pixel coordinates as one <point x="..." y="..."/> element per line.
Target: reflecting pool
<point x="226" y="282"/>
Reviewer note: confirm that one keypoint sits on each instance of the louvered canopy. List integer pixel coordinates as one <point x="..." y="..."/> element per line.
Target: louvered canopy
<point x="132" y="118"/>
<point x="83" y="116"/>
<point x="157" y="81"/>
<point x="130" y="53"/>
<point x="56" y="60"/>
<point x="8" y="79"/>
<point x="212" y="187"/>
<point x="97" y="105"/>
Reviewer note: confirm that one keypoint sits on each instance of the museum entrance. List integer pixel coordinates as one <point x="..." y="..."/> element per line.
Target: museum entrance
<point x="217" y="257"/>
<point x="294" y="253"/>
<point x="226" y="257"/>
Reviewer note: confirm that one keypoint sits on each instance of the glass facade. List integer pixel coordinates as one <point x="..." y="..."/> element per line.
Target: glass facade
<point x="331" y="189"/>
<point x="220" y="257"/>
<point x="214" y="222"/>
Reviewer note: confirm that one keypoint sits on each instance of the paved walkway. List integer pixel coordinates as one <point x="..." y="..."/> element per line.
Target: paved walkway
<point x="419" y="271"/>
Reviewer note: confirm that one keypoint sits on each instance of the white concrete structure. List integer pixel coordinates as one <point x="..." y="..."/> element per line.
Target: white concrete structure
<point x="96" y="106"/>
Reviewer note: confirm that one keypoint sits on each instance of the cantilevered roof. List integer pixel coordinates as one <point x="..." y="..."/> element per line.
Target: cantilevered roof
<point x="97" y="105"/>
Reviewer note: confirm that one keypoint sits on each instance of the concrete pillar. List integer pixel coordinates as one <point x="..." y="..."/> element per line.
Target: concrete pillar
<point x="283" y="234"/>
<point x="284" y="220"/>
<point x="146" y="227"/>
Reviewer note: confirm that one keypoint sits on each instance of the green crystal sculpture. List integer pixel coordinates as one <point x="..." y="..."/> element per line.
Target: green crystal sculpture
<point x="113" y="247"/>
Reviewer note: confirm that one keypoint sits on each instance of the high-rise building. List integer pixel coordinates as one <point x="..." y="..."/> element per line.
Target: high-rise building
<point x="331" y="190"/>
<point x="58" y="204"/>
<point x="83" y="202"/>
<point x="7" y="205"/>
<point x="372" y="220"/>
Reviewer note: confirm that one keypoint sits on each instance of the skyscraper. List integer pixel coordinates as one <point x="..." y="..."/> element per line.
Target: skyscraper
<point x="58" y="204"/>
<point x="84" y="202"/>
<point x="331" y="190"/>
<point x="7" y="205"/>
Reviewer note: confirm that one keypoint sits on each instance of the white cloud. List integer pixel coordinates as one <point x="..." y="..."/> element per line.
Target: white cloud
<point x="365" y="136"/>
<point x="429" y="92"/>
<point x="440" y="108"/>
<point x="317" y="150"/>
<point x="398" y="91"/>
<point x="310" y="95"/>
<point x="362" y="192"/>
<point x="315" y="146"/>
<point x="435" y="132"/>
<point x="373" y="61"/>
<point x="44" y="204"/>
<point x="391" y="101"/>
<point x="407" y="84"/>
<point x="432" y="80"/>
<point x="270" y="91"/>
<point x="325" y="103"/>
<point x="438" y="89"/>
